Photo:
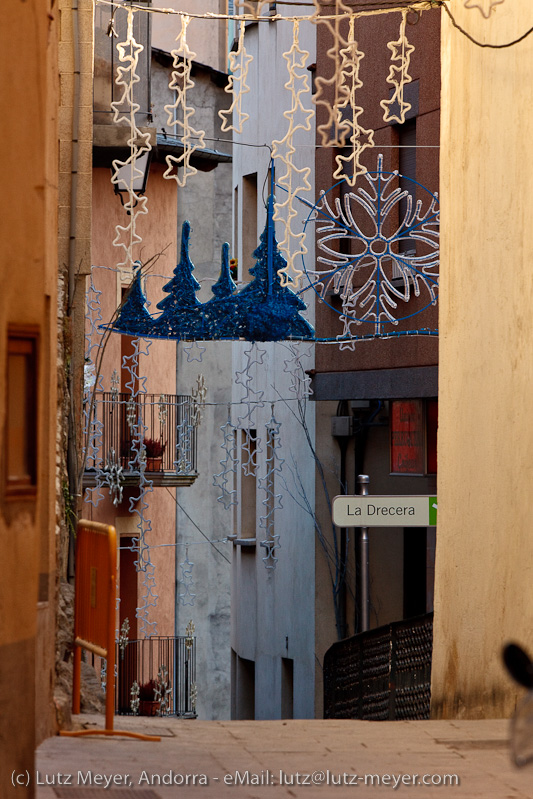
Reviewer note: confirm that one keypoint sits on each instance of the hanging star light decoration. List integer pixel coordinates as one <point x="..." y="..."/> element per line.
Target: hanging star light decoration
<point x="334" y="129"/>
<point x="294" y="180"/>
<point x="124" y="112"/>
<point x="225" y="479"/>
<point x="350" y="166"/>
<point x="180" y="112"/>
<point x="234" y="117"/>
<point x="272" y="500"/>
<point x="194" y="351"/>
<point x="251" y="399"/>
<point x="397" y="107"/>
<point x="300" y="384"/>
<point x="186" y="596"/>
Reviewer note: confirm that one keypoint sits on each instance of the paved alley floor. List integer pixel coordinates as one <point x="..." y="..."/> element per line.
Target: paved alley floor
<point x="274" y="759"/>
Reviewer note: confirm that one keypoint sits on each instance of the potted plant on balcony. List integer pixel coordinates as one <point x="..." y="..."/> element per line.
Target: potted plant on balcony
<point x="148" y="706"/>
<point x="154" y="449"/>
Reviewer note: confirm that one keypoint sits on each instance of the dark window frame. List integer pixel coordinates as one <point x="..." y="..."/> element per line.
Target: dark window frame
<point x="23" y="340"/>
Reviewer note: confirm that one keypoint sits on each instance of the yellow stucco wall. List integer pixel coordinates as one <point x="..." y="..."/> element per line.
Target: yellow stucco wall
<point x="484" y="562"/>
<point x="28" y="269"/>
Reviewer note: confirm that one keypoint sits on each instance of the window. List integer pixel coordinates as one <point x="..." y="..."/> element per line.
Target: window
<point x="407" y="170"/>
<point x="243" y="687"/>
<point x="287" y="688"/>
<point x="21" y="413"/>
<point x="413" y="436"/>
<point x="249" y="223"/>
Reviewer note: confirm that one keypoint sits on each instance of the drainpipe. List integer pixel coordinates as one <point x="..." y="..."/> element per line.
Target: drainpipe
<point x="176" y="569"/>
<point x="361" y="614"/>
<point x="74" y="154"/>
<point x="72" y="450"/>
<point x="343" y="546"/>
<point x="341" y="430"/>
<point x="176" y="552"/>
<point x="364" y="586"/>
<point x="361" y="542"/>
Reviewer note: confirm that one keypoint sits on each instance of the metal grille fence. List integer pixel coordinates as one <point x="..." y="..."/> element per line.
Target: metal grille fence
<point x="382" y="674"/>
<point x="150" y="661"/>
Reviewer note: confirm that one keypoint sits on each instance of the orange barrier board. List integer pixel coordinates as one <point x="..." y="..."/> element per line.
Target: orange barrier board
<point x="94" y="614"/>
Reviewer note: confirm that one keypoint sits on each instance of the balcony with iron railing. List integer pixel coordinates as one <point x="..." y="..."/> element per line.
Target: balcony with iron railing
<point x="156" y="677"/>
<point x="142" y="437"/>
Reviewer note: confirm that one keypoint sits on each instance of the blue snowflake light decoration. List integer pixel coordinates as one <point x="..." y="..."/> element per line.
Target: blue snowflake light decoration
<point x="376" y="249"/>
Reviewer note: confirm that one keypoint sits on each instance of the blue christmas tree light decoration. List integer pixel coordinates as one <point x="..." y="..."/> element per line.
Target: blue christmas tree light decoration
<point x="133" y="317"/>
<point x="180" y="318"/>
<point x="263" y="310"/>
<point x="222" y="317"/>
<point x="270" y="310"/>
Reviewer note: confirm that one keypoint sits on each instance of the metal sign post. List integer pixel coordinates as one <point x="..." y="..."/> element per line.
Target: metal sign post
<point x="364" y="480"/>
<point x="378" y="510"/>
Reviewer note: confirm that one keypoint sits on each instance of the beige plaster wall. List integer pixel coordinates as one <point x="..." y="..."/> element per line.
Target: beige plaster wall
<point x="77" y="157"/>
<point x="484" y="561"/>
<point x="205" y="37"/>
<point x="158" y="231"/>
<point x="28" y="266"/>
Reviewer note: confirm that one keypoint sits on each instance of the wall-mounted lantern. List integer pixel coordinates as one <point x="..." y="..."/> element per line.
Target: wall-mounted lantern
<point x="132" y="177"/>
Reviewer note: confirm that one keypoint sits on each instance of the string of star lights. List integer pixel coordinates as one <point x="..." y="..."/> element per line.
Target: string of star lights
<point x="239" y="61"/>
<point x="293" y="179"/>
<point x="272" y="500"/>
<point x="397" y="107"/>
<point x="124" y="110"/>
<point x="319" y="16"/>
<point x="180" y="112"/>
<point x="342" y="10"/>
<point x="349" y="166"/>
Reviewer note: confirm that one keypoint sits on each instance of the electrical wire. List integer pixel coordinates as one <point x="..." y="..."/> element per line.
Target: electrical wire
<point x="195" y="525"/>
<point x="475" y="41"/>
<point x="383" y="7"/>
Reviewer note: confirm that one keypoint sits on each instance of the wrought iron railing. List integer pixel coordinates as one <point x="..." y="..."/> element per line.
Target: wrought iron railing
<point x="157" y="677"/>
<point x="156" y="431"/>
<point x="382" y="674"/>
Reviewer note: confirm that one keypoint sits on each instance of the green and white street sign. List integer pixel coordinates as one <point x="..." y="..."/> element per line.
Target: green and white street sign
<point x="385" y="511"/>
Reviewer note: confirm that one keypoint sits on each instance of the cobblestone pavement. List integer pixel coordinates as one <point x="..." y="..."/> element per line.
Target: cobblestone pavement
<point x="274" y="759"/>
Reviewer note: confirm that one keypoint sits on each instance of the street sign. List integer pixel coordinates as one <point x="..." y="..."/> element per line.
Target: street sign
<point x="385" y="511"/>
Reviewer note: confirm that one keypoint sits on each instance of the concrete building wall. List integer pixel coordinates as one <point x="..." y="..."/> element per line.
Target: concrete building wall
<point x="205" y="201"/>
<point x="28" y="264"/>
<point x="200" y="519"/>
<point x="484" y="554"/>
<point x="273" y="620"/>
